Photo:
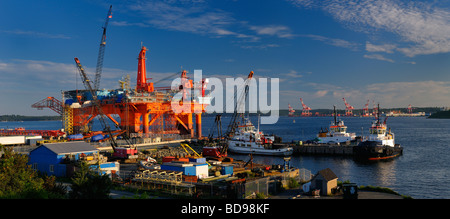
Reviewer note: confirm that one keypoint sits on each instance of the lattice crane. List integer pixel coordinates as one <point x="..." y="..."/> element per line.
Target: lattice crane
<point x="101" y="52"/>
<point x="88" y="86"/>
<point x="366" y="109"/>
<point x="291" y="110"/>
<point x="306" y="109"/>
<point x="50" y="102"/>
<point x="348" y="108"/>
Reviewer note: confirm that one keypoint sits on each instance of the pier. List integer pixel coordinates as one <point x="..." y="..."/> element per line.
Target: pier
<point x="323" y="149"/>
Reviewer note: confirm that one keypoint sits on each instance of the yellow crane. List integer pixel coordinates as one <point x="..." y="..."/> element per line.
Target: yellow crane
<point x="184" y="146"/>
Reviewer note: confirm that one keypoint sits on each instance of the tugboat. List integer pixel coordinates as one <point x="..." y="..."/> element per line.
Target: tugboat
<point x="379" y="144"/>
<point x="337" y="134"/>
<point x="249" y="140"/>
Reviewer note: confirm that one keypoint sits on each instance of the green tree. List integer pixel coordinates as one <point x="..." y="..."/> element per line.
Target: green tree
<point x="17" y="179"/>
<point x="89" y="184"/>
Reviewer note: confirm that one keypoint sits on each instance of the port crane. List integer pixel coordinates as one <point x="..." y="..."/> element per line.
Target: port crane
<point x="410" y="109"/>
<point x="291" y="110"/>
<point x="101" y="52"/>
<point x="50" y="102"/>
<point x="306" y="109"/>
<point x="375" y="109"/>
<point x="238" y="107"/>
<point x="348" y="108"/>
<point x="366" y="109"/>
<point x="221" y="152"/>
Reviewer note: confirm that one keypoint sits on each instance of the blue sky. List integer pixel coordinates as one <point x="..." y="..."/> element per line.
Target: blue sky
<point x="389" y="51"/>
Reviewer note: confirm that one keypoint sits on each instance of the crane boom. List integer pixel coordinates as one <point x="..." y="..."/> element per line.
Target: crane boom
<point x="88" y="86"/>
<point x="238" y="106"/>
<point x="101" y="52"/>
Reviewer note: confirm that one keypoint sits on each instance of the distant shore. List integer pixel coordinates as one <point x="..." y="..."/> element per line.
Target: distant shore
<point x="440" y="115"/>
<point x="15" y="118"/>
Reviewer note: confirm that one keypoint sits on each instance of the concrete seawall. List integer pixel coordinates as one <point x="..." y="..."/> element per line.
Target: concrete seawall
<point x="323" y="150"/>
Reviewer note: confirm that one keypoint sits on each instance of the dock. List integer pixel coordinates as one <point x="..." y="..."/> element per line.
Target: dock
<point x="321" y="149"/>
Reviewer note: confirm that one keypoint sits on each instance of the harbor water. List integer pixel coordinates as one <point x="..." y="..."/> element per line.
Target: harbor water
<point x="423" y="171"/>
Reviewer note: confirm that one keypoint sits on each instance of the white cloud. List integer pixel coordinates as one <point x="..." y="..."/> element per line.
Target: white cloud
<point x="36" y="34"/>
<point x="387" y="48"/>
<point x="260" y="46"/>
<point x="421" y="27"/>
<point x="127" y="24"/>
<point x="422" y="93"/>
<point x="187" y="17"/>
<point x="280" y="31"/>
<point x="378" y="57"/>
<point x="333" y="41"/>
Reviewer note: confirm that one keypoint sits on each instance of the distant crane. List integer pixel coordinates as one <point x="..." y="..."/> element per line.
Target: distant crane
<point x="348" y="108"/>
<point x="306" y="109"/>
<point x="366" y="109"/>
<point x="291" y="110"/>
<point x="375" y="109"/>
<point x="101" y="52"/>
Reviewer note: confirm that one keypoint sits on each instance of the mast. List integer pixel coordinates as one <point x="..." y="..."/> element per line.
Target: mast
<point x="335" y="120"/>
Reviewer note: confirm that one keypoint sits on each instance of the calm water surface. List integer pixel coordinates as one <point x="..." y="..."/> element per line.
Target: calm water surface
<point x="422" y="172"/>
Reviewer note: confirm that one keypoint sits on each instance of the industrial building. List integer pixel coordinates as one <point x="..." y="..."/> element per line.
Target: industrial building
<point x="58" y="159"/>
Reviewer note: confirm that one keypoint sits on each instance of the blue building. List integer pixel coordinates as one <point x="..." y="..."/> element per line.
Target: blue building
<point x="54" y="159"/>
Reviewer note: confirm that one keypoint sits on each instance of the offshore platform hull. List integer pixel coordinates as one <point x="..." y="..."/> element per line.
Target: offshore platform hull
<point x="150" y="113"/>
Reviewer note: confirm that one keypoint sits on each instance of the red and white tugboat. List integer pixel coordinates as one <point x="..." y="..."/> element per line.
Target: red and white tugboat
<point x="338" y="133"/>
<point x="379" y="144"/>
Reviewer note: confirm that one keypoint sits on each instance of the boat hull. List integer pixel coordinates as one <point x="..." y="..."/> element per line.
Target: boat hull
<point x="372" y="150"/>
<point x="261" y="151"/>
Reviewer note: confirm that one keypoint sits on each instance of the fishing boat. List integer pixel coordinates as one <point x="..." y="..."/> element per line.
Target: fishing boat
<point x="249" y="140"/>
<point x="379" y="144"/>
<point x="337" y="133"/>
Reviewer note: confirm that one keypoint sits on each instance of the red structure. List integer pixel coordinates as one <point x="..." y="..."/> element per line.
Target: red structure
<point x="142" y="85"/>
<point x="366" y="109"/>
<point x="144" y="110"/>
<point x="22" y="131"/>
<point x="348" y="108"/>
<point x="291" y="110"/>
<point x="306" y="109"/>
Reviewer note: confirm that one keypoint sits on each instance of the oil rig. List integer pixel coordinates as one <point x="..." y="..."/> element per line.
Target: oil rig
<point x="142" y="111"/>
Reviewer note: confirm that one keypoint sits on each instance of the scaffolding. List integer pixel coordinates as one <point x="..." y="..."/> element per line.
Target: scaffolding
<point x="68" y="120"/>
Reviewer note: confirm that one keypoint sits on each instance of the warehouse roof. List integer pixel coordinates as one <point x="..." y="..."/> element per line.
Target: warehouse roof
<point x="70" y="147"/>
<point x="327" y="174"/>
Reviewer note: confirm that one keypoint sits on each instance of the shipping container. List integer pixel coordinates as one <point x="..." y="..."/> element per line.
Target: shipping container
<point x="201" y="170"/>
<point x="192" y="179"/>
<point x="226" y="169"/>
<point x="197" y="160"/>
<point x="168" y="159"/>
<point x="183" y="159"/>
<point x="12" y="140"/>
<point x="187" y="169"/>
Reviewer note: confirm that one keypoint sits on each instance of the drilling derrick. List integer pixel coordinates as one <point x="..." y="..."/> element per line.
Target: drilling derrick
<point x="306" y="109"/>
<point x="142" y="85"/>
<point x="348" y="108"/>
